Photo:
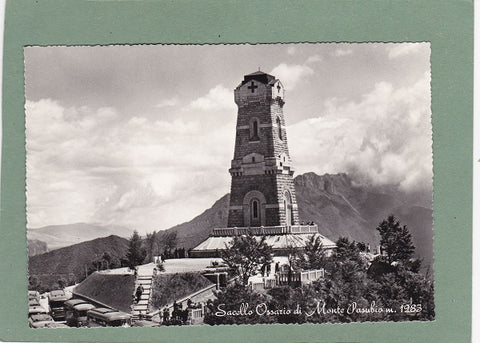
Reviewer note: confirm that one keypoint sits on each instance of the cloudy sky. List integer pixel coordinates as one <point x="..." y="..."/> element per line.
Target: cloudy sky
<point x="143" y="136"/>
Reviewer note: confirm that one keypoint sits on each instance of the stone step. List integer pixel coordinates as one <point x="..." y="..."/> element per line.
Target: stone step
<point x="137" y="312"/>
<point x="146" y="291"/>
<point x="144" y="282"/>
<point x="142" y="277"/>
<point x="145" y="288"/>
<point x="140" y="307"/>
<point x="145" y="297"/>
<point x="142" y="302"/>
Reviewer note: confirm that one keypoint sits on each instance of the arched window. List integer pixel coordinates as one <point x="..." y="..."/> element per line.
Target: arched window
<point x="287" y="205"/>
<point x="254" y="209"/>
<point x="279" y="128"/>
<point x="254" y="132"/>
<point x="255" y="212"/>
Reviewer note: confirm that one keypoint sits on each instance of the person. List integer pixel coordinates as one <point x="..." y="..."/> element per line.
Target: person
<point x="166" y="315"/>
<point x="184" y="315"/>
<point x="139" y="292"/>
<point x="277" y="267"/>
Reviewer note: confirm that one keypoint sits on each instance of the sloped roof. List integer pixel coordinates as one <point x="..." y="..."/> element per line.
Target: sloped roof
<point x="275" y="241"/>
<point x="259" y="76"/>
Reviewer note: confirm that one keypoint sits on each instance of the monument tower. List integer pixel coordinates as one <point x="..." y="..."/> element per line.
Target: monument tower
<point x="262" y="196"/>
<point x="262" y="189"/>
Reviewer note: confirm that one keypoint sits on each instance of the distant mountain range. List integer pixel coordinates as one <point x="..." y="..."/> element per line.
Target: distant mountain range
<point x="334" y="202"/>
<point x="52" y="237"/>
<point x="71" y="262"/>
<point x="338" y="206"/>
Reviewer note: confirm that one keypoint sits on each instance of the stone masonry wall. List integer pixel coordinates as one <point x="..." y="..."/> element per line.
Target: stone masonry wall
<point x="261" y="106"/>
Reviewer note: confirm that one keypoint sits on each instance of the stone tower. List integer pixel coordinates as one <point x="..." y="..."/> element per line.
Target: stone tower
<point x="262" y="191"/>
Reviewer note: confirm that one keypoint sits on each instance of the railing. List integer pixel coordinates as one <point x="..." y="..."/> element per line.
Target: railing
<point x="303" y="277"/>
<point x="263" y="284"/>
<point x="311" y="275"/>
<point x="195" y="316"/>
<point x="264" y="230"/>
<point x="283" y="278"/>
<point x="196" y="313"/>
<point x="304" y="228"/>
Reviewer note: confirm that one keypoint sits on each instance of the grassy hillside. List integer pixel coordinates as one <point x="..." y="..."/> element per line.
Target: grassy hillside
<point x="169" y="287"/>
<point x="71" y="262"/>
<point x="110" y="289"/>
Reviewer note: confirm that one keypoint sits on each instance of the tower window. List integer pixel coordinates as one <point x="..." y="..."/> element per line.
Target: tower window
<point x="253" y="159"/>
<point x="279" y="127"/>
<point x="254" y="132"/>
<point x="255" y="209"/>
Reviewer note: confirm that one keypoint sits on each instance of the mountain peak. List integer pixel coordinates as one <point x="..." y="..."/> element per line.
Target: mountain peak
<point x="327" y="182"/>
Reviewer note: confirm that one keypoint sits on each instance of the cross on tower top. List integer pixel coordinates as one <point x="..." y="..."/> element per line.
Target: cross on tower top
<point x="252" y="87"/>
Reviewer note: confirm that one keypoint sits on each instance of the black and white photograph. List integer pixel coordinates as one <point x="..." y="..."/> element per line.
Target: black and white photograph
<point x="172" y="185"/>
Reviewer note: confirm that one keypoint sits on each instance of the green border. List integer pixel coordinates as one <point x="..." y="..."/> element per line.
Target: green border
<point x="448" y="25"/>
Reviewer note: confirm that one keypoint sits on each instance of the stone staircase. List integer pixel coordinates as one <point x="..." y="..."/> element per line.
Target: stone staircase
<point x="144" y="278"/>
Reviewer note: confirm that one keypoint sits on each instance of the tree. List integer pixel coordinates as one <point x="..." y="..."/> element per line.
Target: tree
<point x="135" y="254"/>
<point x="34" y="283"/>
<point x="295" y="258"/>
<point x="314" y="254"/>
<point x="151" y="242"/>
<point x="348" y="251"/>
<point x="235" y="298"/>
<point x="246" y="254"/>
<point x="62" y="283"/>
<point x="395" y="240"/>
<point x="170" y="243"/>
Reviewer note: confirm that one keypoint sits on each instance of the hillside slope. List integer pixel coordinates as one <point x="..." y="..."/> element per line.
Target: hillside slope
<point x="341" y="208"/>
<point x="72" y="262"/>
<point x="36" y="247"/>
<point x="59" y="236"/>
<point x="110" y="289"/>
<point x="192" y="233"/>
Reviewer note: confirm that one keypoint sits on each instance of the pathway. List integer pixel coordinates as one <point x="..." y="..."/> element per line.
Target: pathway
<point x="144" y="278"/>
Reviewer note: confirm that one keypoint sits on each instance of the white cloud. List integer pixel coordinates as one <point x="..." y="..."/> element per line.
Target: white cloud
<point x="217" y="98"/>
<point x="342" y="52"/>
<point x="314" y="59"/>
<point x="291" y="74"/>
<point x="147" y="174"/>
<point x="167" y="103"/>
<point x="383" y="139"/>
<point x="291" y="50"/>
<point x="401" y="49"/>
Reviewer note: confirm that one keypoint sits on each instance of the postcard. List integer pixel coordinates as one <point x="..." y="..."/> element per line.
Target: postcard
<point x="284" y="190"/>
